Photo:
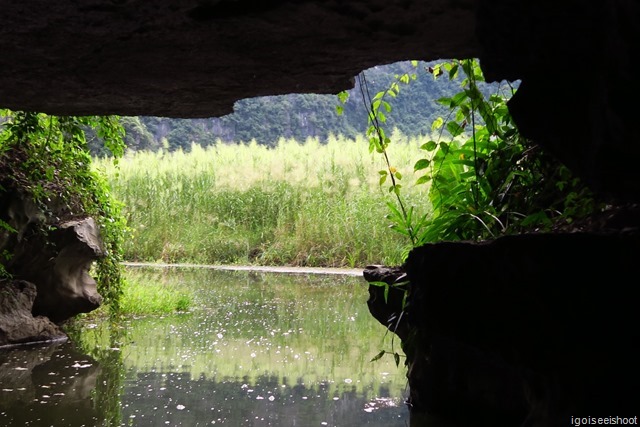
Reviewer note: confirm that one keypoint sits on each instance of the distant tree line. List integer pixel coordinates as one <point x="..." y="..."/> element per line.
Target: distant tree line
<point x="297" y="116"/>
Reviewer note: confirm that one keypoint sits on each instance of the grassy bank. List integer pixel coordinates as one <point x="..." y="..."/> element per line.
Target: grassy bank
<point x="312" y="204"/>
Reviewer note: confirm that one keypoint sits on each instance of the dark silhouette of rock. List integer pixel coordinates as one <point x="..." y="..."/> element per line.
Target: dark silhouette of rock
<point x="524" y="330"/>
<point x="576" y="61"/>
<point x="386" y="302"/>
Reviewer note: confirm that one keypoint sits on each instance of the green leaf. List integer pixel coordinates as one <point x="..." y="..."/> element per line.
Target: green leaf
<point x="339" y="109"/>
<point x="423" y="179"/>
<point x="454" y="129"/>
<point x="379" y="284"/>
<point x="462" y="161"/>
<point x="453" y="71"/>
<point x="383" y="179"/>
<point x="437" y="123"/>
<point x="446" y="101"/>
<point x="458" y="98"/>
<point x="429" y="146"/>
<point x="444" y="147"/>
<point x="343" y="96"/>
<point x="395" y="211"/>
<point x="421" y="164"/>
<point x="399" y="229"/>
<point x="378" y="356"/>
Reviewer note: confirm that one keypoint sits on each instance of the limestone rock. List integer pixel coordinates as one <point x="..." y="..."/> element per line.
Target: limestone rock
<point x="385" y="302"/>
<point x="55" y="257"/>
<point x="17" y="324"/>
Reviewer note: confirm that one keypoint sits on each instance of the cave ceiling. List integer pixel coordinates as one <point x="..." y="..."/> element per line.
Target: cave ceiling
<point x="576" y="61"/>
<point x="193" y="59"/>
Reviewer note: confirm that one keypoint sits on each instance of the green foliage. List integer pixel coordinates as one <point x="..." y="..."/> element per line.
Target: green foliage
<point x="142" y="295"/>
<point x="402" y="286"/>
<point x="404" y="218"/>
<point x="484" y="179"/>
<point x="47" y="158"/>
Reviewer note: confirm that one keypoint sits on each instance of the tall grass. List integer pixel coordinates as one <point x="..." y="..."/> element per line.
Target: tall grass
<point x="313" y="204"/>
<point x="144" y="295"/>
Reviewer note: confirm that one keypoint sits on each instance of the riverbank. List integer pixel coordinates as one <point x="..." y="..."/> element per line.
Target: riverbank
<point x="271" y="269"/>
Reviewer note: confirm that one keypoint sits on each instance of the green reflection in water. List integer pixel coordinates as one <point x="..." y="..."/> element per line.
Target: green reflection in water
<point x="257" y="349"/>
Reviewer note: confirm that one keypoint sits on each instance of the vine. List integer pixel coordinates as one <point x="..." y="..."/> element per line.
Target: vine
<point x="484" y="179"/>
<point x="46" y="158"/>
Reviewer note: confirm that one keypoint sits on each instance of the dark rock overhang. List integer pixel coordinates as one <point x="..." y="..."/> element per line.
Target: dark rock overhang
<point x="195" y="58"/>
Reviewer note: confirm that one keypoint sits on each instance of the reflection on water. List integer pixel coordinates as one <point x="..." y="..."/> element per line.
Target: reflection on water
<point x="47" y="386"/>
<point x="257" y="349"/>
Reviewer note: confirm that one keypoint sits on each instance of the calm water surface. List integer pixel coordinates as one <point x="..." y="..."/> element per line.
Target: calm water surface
<point x="256" y="349"/>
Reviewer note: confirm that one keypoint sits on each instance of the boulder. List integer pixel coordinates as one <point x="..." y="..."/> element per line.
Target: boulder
<point x="55" y="256"/>
<point x="17" y="324"/>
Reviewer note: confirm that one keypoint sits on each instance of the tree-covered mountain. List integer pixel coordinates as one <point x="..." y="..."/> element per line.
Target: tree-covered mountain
<point x="299" y="116"/>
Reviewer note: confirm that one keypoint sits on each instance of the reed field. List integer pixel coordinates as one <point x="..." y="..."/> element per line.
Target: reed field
<point x="316" y="203"/>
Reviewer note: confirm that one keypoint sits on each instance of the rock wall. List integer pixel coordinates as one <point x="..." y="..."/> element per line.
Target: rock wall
<point x="576" y="63"/>
<point x="195" y="58"/>
<point x="53" y="254"/>
<point x="524" y="330"/>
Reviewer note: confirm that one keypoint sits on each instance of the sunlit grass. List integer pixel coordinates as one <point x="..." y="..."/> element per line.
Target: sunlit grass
<point x="143" y="295"/>
<point x="315" y="204"/>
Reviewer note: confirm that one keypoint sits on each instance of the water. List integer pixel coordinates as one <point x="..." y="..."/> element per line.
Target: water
<point x="257" y="349"/>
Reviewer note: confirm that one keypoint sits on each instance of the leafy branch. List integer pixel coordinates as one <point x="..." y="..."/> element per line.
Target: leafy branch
<point x="403" y="219"/>
<point x="485" y="179"/>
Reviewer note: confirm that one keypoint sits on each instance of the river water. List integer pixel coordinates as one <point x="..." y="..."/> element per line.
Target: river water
<point x="255" y="349"/>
